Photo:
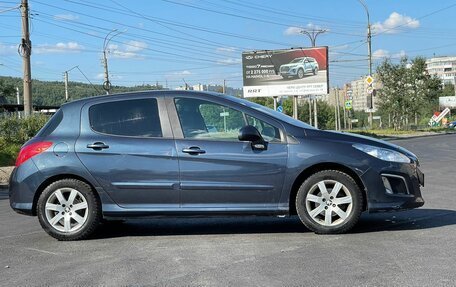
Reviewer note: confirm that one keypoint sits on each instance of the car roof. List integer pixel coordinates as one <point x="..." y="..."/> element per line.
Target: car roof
<point x="126" y="95"/>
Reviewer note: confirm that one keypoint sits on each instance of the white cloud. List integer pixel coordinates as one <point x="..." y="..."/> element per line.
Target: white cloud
<point x="135" y="46"/>
<point x="380" y="54"/>
<point x="292" y="31"/>
<point x="182" y="73"/>
<point x="66" y="17"/>
<point x="226" y="49"/>
<point x="395" y="24"/>
<point x="70" y="47"/>
<point x="400" y="54"/>
<point x="7" y="49"/>
<point x="100" y="76"/>
<point x="128" y="50"/>
<point x="229" y="61"/>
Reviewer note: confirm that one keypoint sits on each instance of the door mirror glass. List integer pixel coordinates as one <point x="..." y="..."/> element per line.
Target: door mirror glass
<point x="250" y="134"/>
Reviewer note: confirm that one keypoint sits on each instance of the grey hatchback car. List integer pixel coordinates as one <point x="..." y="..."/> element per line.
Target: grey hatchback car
<point x="182" y="153"/>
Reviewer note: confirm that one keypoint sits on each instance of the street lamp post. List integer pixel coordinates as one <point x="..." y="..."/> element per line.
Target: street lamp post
<point x="107" y="39"/>
<point x="369" y="57"/>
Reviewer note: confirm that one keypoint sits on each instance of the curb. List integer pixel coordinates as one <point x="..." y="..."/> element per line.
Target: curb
<point x="418" y="136"/>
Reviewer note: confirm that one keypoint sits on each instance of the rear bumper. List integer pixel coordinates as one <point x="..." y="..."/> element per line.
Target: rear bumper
<point x="404" y="194"/>
<point x="23" y="183"/>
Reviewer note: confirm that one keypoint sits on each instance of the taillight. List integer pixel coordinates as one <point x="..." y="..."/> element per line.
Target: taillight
<point x="31" y="150"/>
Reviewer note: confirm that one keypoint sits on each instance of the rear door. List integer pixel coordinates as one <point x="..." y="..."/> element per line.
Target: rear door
<point x="217" y="171"/>
<point x="127" y="145"/>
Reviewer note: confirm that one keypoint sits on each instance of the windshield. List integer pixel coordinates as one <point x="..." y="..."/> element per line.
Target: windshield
<point x="296" y="60"/>
<point x="274" y="114"/>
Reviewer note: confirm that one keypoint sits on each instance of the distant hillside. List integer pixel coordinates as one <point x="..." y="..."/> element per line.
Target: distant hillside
<point x="53" y="93"/>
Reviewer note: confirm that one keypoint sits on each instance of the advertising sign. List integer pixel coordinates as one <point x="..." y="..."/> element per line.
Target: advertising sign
<point x="447" y="102"/>
<point x="293" y="72"/>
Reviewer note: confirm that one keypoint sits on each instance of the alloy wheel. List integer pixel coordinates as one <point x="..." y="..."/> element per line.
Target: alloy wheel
<point x="66" y="210"/>
<point x="329" y="202"/>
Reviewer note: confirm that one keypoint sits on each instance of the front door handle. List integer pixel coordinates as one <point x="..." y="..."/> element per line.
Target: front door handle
<point x="193" y="150"/>
<point x="98" y="146"/>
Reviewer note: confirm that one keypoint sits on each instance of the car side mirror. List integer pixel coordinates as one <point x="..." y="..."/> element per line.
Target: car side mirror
<point x="251" y="134"/>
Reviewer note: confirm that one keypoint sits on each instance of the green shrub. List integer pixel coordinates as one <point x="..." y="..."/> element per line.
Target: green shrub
<point x="14" y="132"/>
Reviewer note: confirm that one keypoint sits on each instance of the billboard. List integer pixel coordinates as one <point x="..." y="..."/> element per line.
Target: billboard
<point x="292" y="72"/>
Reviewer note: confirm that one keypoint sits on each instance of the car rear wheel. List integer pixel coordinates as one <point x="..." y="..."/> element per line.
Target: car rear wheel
<point x="329" y="202"/>
<point x="300" y="73"/>
<point x="68" y="209"/>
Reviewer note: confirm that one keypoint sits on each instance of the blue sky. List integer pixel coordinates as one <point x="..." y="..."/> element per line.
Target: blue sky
<point x="201" y="41"/>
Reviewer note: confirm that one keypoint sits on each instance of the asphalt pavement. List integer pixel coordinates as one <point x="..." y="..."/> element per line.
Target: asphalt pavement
<point x="410" y="248"/>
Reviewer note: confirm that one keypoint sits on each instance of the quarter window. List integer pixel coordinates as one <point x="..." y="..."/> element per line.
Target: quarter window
<point x="138" y="118"/>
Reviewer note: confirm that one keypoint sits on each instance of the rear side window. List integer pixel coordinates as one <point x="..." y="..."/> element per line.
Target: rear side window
<point x="51" y="125"/>
<point x="137" y="118"/>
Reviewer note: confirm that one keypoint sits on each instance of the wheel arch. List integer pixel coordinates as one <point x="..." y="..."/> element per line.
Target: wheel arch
<point x="319" y="167"/>
<point x="55" y="178"/>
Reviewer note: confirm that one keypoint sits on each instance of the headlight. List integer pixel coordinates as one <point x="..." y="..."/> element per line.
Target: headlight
<point x="383" y="153"/>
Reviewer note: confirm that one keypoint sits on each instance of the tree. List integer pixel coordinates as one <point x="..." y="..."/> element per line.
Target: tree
<point x="7" y="91"/>
<point x="408" y="92"/>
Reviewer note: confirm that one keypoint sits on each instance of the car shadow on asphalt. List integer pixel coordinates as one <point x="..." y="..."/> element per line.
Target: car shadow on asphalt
<point x="399" y="221"/>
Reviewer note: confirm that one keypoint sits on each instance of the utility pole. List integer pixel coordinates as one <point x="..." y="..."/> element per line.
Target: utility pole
<point x="338" y="108"/>
<point x="106" y="83"/>
<point x="335" y="109"/>
<point x="18" y="96"/>
<point x="25" y="50"/>
<point x="310" y="111"/>
<point x="315" y="114"/>
<point x="65" y="77"/>
<point x="295" y="107"/>
<point x="312" y="34"/>
<point x="369" y="58"/>
<point x="18" y="101"/>
<point x="107" y="39"/>
<point x="224" y="86"/>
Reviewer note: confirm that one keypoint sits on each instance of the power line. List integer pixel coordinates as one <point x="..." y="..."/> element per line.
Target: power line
<point x="93" y="86"/>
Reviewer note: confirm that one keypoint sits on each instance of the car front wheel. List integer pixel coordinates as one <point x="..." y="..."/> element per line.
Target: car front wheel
<point x="68" y="209"/>
<point x="329" y="202"/>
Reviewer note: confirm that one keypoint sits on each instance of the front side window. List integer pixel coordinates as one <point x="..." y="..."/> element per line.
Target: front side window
<point x="207" y="120"/>
<point x="138" y="118"/>
<point x="268" y="132"/>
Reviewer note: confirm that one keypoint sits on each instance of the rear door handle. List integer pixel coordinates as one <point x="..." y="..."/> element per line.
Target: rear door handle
<point x="194" y="150"/>
<point x="98" y="146"/>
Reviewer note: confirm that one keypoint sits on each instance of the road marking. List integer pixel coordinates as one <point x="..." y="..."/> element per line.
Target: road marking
<point x="30" y="233"/>
<point x="43" y="251"/>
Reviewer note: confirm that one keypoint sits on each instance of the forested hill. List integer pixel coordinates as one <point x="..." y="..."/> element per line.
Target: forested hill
<point x="53" y="93"/>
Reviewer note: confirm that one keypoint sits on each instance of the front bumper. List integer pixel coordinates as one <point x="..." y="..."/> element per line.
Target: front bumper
<point x="289" y="73"/>
<point x="395" y="187"/>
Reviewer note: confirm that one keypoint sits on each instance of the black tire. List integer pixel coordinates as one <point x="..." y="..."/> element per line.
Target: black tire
<point x="300" y="73"/>
<point x="94" y="216"/>
<point x="316" y="223"/>
<point x="315" y="71"/>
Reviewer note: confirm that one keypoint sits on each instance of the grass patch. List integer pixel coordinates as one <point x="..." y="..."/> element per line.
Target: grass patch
<point x="394" y="133"/>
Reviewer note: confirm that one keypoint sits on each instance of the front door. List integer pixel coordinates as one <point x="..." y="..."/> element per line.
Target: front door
<point x="128" y="149"/>
<point x="217" y="171"/>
